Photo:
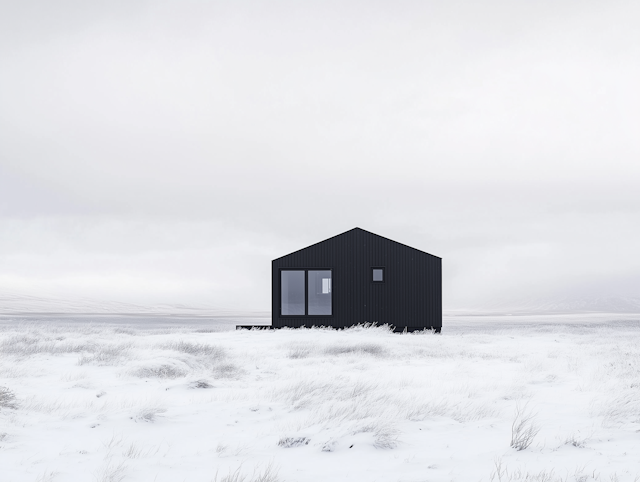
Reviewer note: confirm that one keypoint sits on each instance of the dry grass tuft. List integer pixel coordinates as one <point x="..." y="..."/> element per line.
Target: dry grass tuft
<point x="385" y="435"/>
<point x="107" y="355"/>
<point x="148" y="414"/>
<point x="269" y="474"/>
<point x="159" y="371"/>
<point x="7" y="398"/>
<point x="575" y="440"/>
<point x="289" y="442"/>
<point x="112" y="472"/>
<point x="227" y="370"/>
<point x="196" y="349"/>
<point x="200" y="384"/>
<point x="524" y="428"/>
<point x="357" y="349"/>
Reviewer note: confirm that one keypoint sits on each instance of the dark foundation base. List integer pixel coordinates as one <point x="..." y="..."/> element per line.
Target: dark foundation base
<point x="396" y="329"/>
<point x="255" y="327"/>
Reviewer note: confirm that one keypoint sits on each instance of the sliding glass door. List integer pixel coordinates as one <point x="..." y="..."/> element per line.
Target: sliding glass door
<point x="292" y="293"/>
<point x="316" y="284"/>
<point x="319" y="292"/>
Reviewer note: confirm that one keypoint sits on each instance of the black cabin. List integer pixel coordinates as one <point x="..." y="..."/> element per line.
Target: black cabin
<point x="357" y="277"/>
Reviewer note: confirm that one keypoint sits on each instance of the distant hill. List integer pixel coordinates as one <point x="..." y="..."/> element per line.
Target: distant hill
<point x="21" y="304"/>
<point x="562" y="305"/>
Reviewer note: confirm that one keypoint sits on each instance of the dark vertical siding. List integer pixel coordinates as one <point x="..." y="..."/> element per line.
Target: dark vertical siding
<point x="411" y="295"/>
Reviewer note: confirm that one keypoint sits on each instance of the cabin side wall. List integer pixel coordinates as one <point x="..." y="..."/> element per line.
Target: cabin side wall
<point x="410" y="296"/>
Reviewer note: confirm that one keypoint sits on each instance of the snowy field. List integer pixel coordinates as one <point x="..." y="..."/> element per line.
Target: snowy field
<point x="143" y="399"/>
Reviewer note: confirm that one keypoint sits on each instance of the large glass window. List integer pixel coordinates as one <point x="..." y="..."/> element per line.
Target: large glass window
<point x="292" y="292"/>
<point x="319" y="290"/>
<point x="305" y="292"/>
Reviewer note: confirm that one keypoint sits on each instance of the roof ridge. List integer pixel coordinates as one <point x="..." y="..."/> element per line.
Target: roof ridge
<point x="357" y="229"/>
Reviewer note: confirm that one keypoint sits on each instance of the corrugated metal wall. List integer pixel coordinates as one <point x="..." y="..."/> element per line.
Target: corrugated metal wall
<point x="410" y="296"/>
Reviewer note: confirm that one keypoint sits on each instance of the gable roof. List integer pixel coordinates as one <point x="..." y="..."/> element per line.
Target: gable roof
<point x="353" y="231"/>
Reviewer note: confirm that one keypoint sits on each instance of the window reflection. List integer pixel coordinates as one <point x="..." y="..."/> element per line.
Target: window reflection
<point x="319" y="292"/>
<point x="292" y="292"/>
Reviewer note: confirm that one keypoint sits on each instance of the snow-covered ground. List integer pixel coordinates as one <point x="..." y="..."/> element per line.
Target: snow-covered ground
<point x="132" y="400"/>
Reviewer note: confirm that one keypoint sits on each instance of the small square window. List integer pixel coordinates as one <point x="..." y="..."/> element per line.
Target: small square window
<point x="378" y="275"/>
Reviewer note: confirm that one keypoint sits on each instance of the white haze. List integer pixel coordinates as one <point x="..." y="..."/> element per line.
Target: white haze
<point x="165" y="152"/>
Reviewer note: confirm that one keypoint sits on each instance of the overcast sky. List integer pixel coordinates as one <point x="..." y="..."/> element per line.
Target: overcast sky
<point x="158" y="152"/>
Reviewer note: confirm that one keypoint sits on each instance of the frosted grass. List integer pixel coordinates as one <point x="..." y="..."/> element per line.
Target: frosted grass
<point x="116" y="403"/>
